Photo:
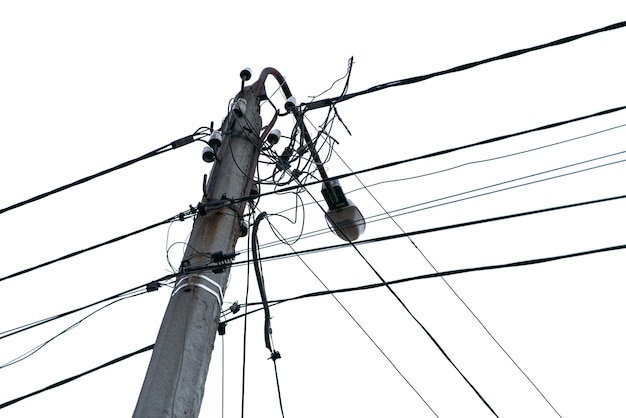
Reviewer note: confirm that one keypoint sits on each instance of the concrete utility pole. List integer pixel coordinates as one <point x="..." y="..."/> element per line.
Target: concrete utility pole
<point x="174" y="382"/>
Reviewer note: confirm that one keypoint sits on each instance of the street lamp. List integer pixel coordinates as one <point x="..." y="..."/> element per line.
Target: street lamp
<point x="343" y="217"/>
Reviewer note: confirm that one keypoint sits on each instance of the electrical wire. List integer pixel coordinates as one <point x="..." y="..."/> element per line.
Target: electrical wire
<point x="358" y="324"/>
<point x="485" y="160"/>
<point x="34" y="350"/>
<point x="70" y="379"/>
<point x="150" y="286"/>
<point x="439" y="228"/>
<point x="406" y="308"/>
<point x="198" y="135"/>
<point x="521" y="263"/>
<point x="457" y="296"/>
<point x="333" y="101"/>
<point x="180" y="217"/>
<point x="436" y="153"/>
<point x="371" y="218"/>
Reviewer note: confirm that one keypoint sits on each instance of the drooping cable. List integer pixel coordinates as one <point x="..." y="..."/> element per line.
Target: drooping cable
<point x="150" y="286"/>
<point x="333" y="101"/>
<point x="274" y="355"/>
<point x="34" y="350"/>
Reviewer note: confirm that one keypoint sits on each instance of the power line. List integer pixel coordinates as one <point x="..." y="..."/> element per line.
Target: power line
<point x="32" y="351"/>
<point x="150" y="286"/>
<point x="333" y="101"/>
<point x="285" y="189"/>
<point x="436" y="153"/>
<point x="93" y="247"/>
<point x="200" y="133"/>
<point x="358" y="324"/>
<point x="449" y="273"/>
<point x="406" y="308"/>
<point x="457" y="296"/>
<point x="440" y="228"/>
<point x="70" y="379"/>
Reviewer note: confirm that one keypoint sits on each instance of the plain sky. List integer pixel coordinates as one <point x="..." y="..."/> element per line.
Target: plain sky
<point x="88" y="85"/>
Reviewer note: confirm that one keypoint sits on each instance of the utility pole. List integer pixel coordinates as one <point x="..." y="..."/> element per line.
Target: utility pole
<point x="174" y="382"/>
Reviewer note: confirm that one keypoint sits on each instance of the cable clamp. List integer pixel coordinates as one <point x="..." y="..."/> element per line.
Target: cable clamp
<point x="202" y="282"/>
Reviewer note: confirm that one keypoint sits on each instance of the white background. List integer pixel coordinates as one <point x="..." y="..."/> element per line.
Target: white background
<point x="85" y="86"/>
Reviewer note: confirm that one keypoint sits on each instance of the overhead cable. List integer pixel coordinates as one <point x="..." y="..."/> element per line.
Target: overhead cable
<point x="286" y="189"/>
<point x="93" y="247"/>
<point x="437" y="229"/>
<point x="70" y="379"/>
<point x="150" y="286"/>
<point x="200" y="133"/>
<point x="332" y="101"/>
<point x="435" y="154"/>
<point x="450" y="273"/>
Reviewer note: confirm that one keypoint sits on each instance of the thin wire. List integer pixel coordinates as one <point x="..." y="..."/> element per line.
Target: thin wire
<point x="448" y="273"/>
<point x="280" y="398"/>
<point x="34" y="350"/>
<point x="521" y="263"/>
<point x="406" y="308"/>
<point x="363" y="330"/>
<point x="499" y="157"/>
<point x="453" y="291"/>
<point x="436" y="153"/>
<point x="245" y="328"/>
<point x="154" y="284"/>
<point x="438" y="229"/>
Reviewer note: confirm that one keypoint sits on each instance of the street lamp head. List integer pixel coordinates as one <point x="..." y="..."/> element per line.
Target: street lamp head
<point x="343" y="217"/>
<point x="346" y="222"/>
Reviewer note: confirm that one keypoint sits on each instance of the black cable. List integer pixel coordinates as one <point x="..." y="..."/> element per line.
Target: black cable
<point x="93" y="247"/>
<point x="333" y="101"/>
<point x="387" y="165"/>
<point x="172" y="145"/>
<point x="406" y="308"/>
<point x="457" y="296"/>
<point x="259" y="278"/>
<point x="364" y="332"/>
<point x="438" y="153"/>
<point x="70" y="379"/>
<point x="280" y="398"/>
<point x="439" y="228"/>
<point x="446" y="273"/>
<point x="150" y="286"/>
